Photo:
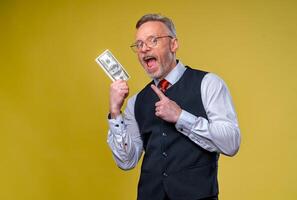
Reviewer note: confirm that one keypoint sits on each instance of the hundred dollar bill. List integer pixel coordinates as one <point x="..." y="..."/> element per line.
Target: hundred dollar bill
<point x="112" y="66"/>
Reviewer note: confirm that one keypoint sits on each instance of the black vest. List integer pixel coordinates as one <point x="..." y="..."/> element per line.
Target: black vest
<point x="172" y="163"/>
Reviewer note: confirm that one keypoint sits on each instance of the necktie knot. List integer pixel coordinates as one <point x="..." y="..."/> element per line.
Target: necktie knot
<point x="163" y="85"/>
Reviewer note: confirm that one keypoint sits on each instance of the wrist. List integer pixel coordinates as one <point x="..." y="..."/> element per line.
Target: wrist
<point x="114" y="113"/>
<point x="177" y="116"/>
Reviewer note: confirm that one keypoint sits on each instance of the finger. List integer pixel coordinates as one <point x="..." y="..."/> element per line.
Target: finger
<point x="158" y="104"/>
<point x="158" y="109"/>
<point x="124" y="91"/>
<point x="120" y="83"/>
<point x="125" y="88"/>
<point x="158" y="92"/>
<point x="157" y="114"/>
<point x="116" y="84"/>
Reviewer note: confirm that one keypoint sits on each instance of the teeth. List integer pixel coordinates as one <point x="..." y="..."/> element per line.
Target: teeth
<point x="146" y="58"/>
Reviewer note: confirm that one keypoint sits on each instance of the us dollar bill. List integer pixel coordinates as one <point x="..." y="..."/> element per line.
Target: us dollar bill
<point x="111" y="66"/>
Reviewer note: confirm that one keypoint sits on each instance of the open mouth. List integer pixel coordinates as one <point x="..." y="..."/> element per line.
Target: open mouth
<point x="150" y="61"/>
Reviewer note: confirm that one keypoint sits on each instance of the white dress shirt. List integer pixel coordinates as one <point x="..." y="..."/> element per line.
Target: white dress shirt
<point x="219" y="133"/>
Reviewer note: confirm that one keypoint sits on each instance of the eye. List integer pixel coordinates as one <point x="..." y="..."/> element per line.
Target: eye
<point x="154" y="40"/>
<point x="139" y="44"/>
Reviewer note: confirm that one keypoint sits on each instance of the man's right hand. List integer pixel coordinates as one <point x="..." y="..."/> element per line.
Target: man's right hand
<point x="118" y="92"/>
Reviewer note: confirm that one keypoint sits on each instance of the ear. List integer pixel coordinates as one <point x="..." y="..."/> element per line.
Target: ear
<point x="174" y="45"/>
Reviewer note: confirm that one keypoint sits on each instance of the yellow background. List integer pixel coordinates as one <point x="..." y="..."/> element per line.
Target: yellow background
<point x="54" y="97"/>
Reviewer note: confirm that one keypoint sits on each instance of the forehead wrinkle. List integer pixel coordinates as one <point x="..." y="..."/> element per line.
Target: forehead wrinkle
<point x="152" y="28"/>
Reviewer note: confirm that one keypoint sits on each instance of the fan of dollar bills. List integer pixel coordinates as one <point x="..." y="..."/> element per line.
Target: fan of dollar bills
<point x="112" y="66"/>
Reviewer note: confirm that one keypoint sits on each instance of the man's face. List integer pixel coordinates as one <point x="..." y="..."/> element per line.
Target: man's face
<point x="159" y="60"/>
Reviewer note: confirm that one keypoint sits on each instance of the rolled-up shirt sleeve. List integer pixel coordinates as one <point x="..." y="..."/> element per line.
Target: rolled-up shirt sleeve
<point x="124" y="138"/>
<point x="220" y="132"/>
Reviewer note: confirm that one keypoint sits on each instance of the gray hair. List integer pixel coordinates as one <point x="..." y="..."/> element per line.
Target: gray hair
<point x="157" y="17"/>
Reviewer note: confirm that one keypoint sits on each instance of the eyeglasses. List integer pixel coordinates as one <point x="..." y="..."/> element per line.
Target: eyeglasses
<point x="150" y="42"/>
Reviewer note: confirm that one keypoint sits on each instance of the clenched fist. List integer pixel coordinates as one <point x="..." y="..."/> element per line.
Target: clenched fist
<point x="119" y="90"/>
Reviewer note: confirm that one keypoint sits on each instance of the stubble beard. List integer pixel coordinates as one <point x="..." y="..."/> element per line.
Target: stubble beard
<point x="157" y="74"/>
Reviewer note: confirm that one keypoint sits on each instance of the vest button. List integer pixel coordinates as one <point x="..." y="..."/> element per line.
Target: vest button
<point x="165" y="174"/>
<point x="164" y="154"/>
<point x="164" y="134"/>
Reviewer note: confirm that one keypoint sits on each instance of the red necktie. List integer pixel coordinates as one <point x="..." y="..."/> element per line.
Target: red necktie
<point x="163" y="84"/>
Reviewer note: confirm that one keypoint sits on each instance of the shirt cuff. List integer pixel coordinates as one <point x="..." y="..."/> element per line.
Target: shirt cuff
<point x="116" y="125"/>
<point x="187" y="122"/>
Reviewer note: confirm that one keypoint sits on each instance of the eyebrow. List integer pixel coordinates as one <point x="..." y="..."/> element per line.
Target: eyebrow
<point x="147" y="38"/>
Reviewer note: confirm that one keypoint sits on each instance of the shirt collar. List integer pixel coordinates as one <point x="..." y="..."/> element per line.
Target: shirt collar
<point x="175" y="74"/>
